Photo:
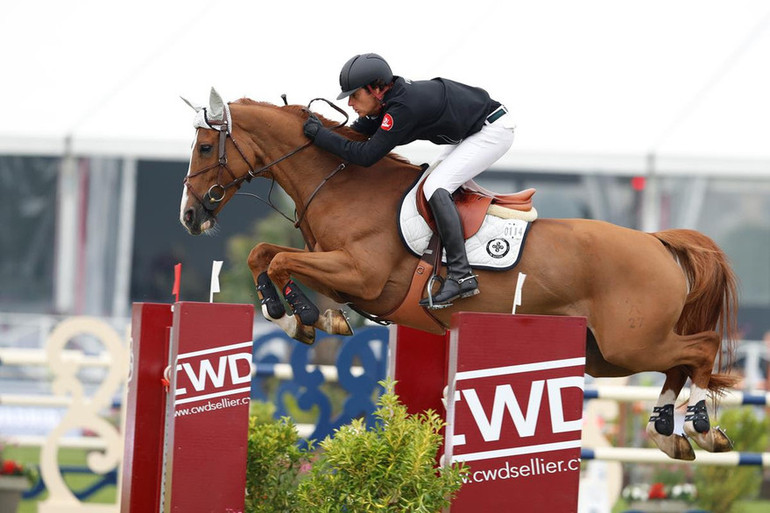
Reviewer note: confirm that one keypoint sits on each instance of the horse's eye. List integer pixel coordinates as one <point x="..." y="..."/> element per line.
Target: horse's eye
<point x="205" y="149"/>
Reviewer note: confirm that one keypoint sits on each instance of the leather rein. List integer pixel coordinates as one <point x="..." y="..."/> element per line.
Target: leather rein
<point x="216" y="193"/>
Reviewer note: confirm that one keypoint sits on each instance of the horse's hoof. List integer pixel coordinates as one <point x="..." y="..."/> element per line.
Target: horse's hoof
<point x="293" y="327"/>
<point x="679" y="448"/>
<point x="714" y="440"/>
<point x="305" y="334"/>
<point x="334" y="322"/>
<point x="722" y="442"/>
<point x="675" y="446"/>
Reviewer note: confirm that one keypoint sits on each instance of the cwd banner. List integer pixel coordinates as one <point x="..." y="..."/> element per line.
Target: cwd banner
<point x="207" y="415"/>
<point x="516" y="417"/>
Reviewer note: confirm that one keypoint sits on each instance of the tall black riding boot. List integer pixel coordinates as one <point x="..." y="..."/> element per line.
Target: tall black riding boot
<point x="460" y="281"/>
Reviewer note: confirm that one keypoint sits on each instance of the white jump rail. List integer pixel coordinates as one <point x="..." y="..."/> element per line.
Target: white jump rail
<point x="37" y="357"/>
<point x="77" y="442"/>
<point x="17" y="356"/>
<point x="643" y="393"/>
<point x="639" y="455"/>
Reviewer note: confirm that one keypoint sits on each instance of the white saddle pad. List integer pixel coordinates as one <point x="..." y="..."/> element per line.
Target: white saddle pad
<point x="496" y="246"/>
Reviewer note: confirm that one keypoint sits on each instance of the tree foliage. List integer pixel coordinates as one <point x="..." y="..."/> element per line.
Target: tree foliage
<point x="720" y="488"/>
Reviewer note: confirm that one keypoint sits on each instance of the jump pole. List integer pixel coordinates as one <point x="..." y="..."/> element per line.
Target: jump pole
<point x="186" y="442"/>
<point x="515" y="419"/>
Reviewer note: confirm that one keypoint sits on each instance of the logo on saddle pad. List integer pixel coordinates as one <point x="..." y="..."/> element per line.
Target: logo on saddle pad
<point x="498" y="248"/>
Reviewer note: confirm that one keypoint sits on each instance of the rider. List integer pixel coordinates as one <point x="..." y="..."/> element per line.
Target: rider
<point x="395" y="111"/>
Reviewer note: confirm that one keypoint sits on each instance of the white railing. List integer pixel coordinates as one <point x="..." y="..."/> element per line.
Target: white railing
<point x="639" y="455"/>
<point x="626" y="394"/>
<point x="85" y="405"/>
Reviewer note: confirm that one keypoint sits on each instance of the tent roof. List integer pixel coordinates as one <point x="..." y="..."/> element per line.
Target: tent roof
<point x="592" y="84"/>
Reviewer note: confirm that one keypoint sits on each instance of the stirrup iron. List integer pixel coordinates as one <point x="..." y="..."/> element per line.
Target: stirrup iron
<point x="431" y="305"/>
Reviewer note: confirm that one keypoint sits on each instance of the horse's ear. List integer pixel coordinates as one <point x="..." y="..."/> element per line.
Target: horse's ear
<point x="216" y="106"/>
<point x="194" y="106"/>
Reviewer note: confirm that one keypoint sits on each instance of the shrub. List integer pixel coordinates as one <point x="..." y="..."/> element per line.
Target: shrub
<point x="391" y="468"/>
<point x="720" y="488"/>
<point x="274" y="466"/>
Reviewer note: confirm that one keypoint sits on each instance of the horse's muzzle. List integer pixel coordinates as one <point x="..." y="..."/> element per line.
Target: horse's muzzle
<point x="197" y="220"/>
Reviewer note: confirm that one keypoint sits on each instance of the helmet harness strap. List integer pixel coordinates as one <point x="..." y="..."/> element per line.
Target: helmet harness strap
<point x="380" y="95"/>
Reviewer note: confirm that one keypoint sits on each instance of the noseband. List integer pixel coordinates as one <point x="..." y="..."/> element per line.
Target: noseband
<point x="216" y="193"/>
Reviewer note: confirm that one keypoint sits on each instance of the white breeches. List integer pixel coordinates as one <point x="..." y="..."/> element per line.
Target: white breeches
<point x="461" y="162"/>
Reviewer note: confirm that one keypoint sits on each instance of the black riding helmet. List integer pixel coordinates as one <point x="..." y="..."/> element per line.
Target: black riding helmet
<point x="362" y="70"/>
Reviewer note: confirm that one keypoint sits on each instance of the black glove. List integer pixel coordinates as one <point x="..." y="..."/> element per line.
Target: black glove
<point x="312" y="126"/>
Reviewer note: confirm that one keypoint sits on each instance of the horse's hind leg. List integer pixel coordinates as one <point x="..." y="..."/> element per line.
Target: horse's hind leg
<point x="695" y="355"/>
<point x="678" y="356"/>
<point x="697" y="424"/>
<point x="660" y="427"/>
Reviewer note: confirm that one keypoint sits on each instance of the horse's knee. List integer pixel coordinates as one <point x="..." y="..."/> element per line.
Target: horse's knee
<point x="259" y="257"/>
<point x="277" y="270"/>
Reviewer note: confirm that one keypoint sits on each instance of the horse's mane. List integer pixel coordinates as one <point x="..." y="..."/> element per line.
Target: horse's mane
<point x="344" y="131"/>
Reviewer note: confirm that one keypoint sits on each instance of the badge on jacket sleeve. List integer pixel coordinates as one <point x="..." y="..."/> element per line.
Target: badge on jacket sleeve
<point x="387" y="122"/>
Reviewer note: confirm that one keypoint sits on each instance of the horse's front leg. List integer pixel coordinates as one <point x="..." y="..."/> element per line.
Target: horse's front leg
<point x="306" y="315"/>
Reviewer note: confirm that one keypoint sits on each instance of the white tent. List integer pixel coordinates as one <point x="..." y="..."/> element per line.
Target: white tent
<point x="595" y="84"/>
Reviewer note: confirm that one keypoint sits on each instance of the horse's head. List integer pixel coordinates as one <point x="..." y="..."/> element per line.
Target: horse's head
<point x="228" y="152"/>
<point x="212" y="179"/>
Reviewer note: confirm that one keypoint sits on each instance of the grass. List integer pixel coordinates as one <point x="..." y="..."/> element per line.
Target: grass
<point x="754" y="506"/>
<point x="76" y="457"/>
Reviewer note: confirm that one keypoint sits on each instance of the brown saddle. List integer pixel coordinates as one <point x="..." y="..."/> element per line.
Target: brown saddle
<point x="473" y="205"/>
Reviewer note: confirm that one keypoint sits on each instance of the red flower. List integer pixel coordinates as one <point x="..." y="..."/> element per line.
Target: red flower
<point x="9" y="467"/>
<point x="657" y="491"/>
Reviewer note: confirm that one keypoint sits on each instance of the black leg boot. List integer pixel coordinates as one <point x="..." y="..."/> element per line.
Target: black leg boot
<point x="460" y="281"/>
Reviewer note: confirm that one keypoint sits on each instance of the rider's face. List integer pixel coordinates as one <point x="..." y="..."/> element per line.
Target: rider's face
<point x="364" y="102"/>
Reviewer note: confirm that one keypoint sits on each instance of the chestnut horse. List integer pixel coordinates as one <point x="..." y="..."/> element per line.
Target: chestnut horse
<point x="661" y="301"/>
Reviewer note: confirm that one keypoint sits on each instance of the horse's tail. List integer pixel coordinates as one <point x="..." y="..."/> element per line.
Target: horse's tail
<point x="712" y="300"/>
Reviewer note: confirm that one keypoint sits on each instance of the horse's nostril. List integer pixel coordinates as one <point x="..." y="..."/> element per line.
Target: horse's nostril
<point x="188" y="216"/>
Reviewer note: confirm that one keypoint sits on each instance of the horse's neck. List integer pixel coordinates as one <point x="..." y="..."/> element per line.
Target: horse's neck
<point x="340" y="208"/>
<point x="275" y="133"/>
<point x="300" y="175"/>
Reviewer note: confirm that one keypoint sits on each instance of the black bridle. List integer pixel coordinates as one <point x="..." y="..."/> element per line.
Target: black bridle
<point x="216" y="193"/>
